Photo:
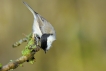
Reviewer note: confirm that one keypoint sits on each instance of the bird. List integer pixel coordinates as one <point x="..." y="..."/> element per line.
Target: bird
<point x="43" y="32"/>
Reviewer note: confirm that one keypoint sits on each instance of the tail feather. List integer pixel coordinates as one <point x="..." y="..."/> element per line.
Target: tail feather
<point x="32" y="11"/>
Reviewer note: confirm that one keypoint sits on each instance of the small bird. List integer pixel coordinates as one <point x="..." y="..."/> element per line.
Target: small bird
<point x="43" y="31"/>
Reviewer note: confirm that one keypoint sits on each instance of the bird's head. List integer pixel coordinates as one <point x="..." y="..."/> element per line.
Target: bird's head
<point x="46" y="41"/>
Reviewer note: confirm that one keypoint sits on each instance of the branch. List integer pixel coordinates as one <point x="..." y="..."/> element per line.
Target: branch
<point x="27" y="54"/>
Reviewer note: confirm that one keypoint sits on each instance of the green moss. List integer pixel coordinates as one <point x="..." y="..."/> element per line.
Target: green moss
<point x="30" y="46"/>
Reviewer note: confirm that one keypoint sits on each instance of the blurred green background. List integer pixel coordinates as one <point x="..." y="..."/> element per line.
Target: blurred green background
<point x="80" y="28"/>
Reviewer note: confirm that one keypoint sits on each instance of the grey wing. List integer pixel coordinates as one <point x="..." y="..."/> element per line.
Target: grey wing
<point x="45" y="26"/>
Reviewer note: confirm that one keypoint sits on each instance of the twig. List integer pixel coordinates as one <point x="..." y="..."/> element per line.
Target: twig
<point x="27" y="55"/>
<point x="16" y="63"/>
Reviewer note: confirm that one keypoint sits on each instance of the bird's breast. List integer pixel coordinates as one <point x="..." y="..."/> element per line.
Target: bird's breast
<point x="36" y="28"/>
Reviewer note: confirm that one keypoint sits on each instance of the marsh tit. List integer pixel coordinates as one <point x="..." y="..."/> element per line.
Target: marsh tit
<point x="43" y="31"/>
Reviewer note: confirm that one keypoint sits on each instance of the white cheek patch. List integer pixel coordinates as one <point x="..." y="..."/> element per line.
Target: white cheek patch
<point x="50" y="39"/>
<point x="48" y="46"/>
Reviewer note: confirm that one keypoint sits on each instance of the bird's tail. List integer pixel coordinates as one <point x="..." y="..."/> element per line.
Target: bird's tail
<point x="32" y="11"/>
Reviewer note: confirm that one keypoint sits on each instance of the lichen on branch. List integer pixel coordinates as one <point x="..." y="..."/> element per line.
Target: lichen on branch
<point x="27" y="54"/>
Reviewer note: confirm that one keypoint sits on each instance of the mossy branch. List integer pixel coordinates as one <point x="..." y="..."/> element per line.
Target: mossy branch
<point x="27" y="54"/>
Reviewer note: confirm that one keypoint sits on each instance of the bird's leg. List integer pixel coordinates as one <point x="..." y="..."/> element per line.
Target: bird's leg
<point x="34" y="37"/>
<point x="37" y="41"/>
